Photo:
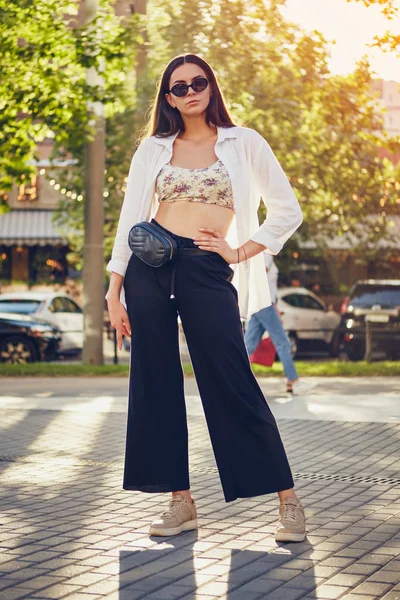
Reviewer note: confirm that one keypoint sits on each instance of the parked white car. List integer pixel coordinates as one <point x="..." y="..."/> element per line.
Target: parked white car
<point x="56" y="308"/>
<point x="308" y="321"/>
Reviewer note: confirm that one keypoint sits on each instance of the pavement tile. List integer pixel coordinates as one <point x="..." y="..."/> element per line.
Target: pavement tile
<point x="392" y="565"/>
<point x="82" y="596"/>
<point x="337" y="561"/>
<point x="28" y="573"/>
<point x="87" y="579"/>
<point x="284" y="593"/>
<point x="375" y="559"/>
<point x="385" y="576"/>
<point x="199" y="596"/>
<point x="372" y="588"/>
<point x="43" y="555"/>
<point x="217" y="569"/>
<point x="7" y="582"/>
<point x="345" y="579"/>
<point x="299" y="564"/>
<point x="305" y="583"/>
<point x="103" y="587"/>
<point x="282" y="574"/>
<point x="38" y="583"/>
<point x="391" y="550"/>
<point x="215" y="588"/>
<point x="200" y="579"/>
<point x="14" y="594"/>
<point x="123" y="595"/>
<point x="112" y="568"/>
<point x="352" y="596"/>
<point x="361" y="568"/>
<point x="5" y="557"/>
<point x="314" y="555"/>
<point x="55" y="591"/>
<point x="170" y="592"/>
<point x="92" y="541"/>
<point x="260" y="585"/>
<point x="352" y="552"/>
<point x="327" y="591"/>
<point x="236" y="595"/>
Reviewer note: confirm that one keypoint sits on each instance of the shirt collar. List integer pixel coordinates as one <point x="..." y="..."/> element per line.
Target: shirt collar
<point x="223" y="133"/>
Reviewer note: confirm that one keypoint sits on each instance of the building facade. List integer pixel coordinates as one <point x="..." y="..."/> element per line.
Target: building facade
<point x="32" y="250"/>
<point x="387" y="94"/>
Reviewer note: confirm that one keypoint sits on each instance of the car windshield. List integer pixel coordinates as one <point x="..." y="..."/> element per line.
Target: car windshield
<point x="365" y="296"/>
<point x="22" y="307"/>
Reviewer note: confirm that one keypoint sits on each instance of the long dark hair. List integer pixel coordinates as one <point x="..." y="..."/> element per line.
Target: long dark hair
<point x="165" y="120"/>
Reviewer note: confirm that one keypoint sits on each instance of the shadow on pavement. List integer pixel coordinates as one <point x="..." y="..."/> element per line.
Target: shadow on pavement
<point x="177" y="570"/>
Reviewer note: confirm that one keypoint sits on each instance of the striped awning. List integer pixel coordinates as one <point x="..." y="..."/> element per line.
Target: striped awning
<point x="30" y="227"/>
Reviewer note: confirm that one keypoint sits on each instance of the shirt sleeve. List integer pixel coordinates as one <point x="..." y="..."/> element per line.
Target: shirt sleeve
<point x="284" y="215"/>
<point x="130" y="212"/>
<point x="268" y="260"/>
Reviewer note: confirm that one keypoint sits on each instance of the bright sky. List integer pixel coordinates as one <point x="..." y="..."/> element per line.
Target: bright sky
<point x="353" y="26"/>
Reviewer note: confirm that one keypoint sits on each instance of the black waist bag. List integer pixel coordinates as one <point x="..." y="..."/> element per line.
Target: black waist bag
<point x="151" y="244"/>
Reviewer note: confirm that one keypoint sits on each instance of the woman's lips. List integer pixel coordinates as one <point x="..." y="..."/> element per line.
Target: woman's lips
<point x="191" y="102"/>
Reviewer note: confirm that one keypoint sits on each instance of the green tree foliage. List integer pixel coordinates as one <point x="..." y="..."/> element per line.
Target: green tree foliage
<point x="120" y="145"/>
<point x="326" y="131"/>
<point x="43" y="91"/>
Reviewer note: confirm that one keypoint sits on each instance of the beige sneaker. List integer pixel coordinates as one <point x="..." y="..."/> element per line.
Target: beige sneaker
<point x="291" y="526"/>
<point x="180" y="516"/>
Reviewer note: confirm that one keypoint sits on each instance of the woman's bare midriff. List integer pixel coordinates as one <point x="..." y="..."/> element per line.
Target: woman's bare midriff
<point x="185" y="218"/>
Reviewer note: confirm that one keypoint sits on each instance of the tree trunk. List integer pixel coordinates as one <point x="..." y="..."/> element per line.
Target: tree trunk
<point x="93" y="253"/>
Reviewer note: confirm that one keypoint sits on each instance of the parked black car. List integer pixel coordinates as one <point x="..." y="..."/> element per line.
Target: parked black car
<point x="24" y="339"/>
<point x="378" y="302"/>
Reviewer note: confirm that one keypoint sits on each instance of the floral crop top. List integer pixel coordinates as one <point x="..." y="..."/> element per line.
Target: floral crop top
<point x="210" y="185"/>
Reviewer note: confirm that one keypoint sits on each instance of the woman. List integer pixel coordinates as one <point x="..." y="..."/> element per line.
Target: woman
<point x="201" y="179"/>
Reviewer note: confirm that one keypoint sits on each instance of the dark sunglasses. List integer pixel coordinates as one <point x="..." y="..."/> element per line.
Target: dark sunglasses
<point x="181" y="89"/>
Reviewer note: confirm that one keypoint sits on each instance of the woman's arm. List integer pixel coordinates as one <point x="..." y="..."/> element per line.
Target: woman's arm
<point x="283" y="210"/>
<point x="114" y="288"/>
<point x="216" y="242"/>
<point x="129" y="215"/>
<point x="119" y="318"/>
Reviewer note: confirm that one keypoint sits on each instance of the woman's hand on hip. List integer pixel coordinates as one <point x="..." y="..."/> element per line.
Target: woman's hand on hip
<point x="211" y="239"/>
<point x="119" y="319"/>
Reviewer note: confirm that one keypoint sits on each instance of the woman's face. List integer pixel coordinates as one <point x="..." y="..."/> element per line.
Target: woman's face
<point x="194" y="103"/>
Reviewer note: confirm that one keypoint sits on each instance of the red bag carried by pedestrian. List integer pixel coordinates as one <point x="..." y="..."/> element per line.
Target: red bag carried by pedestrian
<point x="264" y="354"/>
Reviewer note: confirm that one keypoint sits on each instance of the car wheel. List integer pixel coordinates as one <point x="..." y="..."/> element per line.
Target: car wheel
<point x="293" y="343"/>
<point x="17" y="350"/>
<point x="355" y="353"/>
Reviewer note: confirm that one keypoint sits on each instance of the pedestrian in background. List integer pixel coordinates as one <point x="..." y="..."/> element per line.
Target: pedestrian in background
<point x="193" y="174"/>
<point x="268" y="319"/>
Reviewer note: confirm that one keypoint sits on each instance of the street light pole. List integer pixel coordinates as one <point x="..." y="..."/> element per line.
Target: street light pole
<point x="93" y="251"/>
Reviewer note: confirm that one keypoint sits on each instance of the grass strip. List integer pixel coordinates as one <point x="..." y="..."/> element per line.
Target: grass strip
<point x="329" y="368"/>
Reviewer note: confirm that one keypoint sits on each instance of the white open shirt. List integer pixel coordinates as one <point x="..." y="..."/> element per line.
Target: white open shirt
<point x="254" y="172"/>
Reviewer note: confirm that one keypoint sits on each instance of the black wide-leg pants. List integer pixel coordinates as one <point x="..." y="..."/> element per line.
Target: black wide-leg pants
<point x="247" y="445"/>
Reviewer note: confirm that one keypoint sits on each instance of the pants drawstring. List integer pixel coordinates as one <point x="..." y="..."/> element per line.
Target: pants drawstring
<point x="172" y="296"/>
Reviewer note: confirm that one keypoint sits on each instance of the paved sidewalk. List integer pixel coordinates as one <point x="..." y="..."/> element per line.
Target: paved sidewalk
<point x="68" y="530"/>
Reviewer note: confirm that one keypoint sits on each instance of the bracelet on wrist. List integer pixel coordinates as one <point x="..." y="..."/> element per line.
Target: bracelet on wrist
<point x="238" y="253"/>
